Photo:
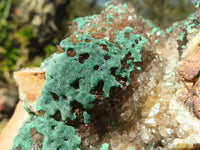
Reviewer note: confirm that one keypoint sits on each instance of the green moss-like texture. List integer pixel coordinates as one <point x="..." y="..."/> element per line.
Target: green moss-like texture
<point x="57" y="135"/>
<point x="71" y="77"/>
<point x="92" y="63"/>
<point x="104" y="54"/>
<point x="101" y="54"/>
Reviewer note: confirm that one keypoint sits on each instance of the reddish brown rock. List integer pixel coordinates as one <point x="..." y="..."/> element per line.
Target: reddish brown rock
<point x="196" y="103"/>
<point x="196" y="99"/>
<point x="191" y="66"/>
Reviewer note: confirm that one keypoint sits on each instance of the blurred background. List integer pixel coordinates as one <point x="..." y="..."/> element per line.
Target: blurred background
<point x="31" y="29"/>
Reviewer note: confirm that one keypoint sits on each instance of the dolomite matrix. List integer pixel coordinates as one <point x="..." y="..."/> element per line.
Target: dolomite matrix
<point x="118" y="82"/>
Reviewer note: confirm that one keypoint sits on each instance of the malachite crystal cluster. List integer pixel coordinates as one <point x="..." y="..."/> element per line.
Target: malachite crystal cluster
<point x="113" y="50"/>
<point x="72" y="77"/>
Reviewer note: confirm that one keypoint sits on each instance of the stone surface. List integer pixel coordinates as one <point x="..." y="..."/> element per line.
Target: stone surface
<point x="191" y="66"/>
<point x="30" y="83"/>
<point x="121" y="83"/>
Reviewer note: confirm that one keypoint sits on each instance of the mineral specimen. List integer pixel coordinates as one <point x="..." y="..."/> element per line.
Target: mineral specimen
<point x="30" y="82"/>
<point x="118" y="82"/>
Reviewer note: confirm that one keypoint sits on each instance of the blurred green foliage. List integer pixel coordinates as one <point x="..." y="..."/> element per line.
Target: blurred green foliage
<point x="25" y="35"/>
<point x="13" y="48"/>
<point x="9" y="52"/>
<point x="49" y="49"/>
<point x="4" y="9"/>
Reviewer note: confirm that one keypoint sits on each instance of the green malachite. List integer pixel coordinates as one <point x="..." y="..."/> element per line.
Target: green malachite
<point x="72" y="78"/>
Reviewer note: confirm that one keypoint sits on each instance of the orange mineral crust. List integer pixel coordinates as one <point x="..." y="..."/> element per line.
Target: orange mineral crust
<point x="30" y="83"/>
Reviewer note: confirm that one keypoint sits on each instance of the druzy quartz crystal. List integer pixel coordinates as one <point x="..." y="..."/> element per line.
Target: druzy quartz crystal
<point x="118" y="82"/>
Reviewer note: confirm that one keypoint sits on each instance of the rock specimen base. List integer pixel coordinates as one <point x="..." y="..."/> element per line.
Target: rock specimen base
<point x="118" y="82"/>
